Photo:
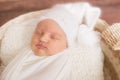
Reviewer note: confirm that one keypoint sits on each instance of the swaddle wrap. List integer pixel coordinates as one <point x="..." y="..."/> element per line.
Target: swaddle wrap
<point x="71" y="64"/>
<point x="82" y="62"/>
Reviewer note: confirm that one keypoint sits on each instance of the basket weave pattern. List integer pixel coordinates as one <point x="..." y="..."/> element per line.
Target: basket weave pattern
<point x="110" y="43"/>
<point x="112" y="36"/>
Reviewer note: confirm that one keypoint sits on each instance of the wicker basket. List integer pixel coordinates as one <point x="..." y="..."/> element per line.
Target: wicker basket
<point x="112" y="56"/>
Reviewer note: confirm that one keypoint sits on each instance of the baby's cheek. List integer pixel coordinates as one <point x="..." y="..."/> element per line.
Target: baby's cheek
<point x="35" y="40"/>
<point x="52" y="50"/>
<point x="55" y="49"/>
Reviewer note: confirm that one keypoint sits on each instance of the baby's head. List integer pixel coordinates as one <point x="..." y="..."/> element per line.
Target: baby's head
<point x="55" y="32"/>
<point x="48" y="38"/>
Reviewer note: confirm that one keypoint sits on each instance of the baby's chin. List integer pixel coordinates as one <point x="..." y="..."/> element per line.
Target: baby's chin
<point x="43" y="51"/>
<point x="40" y="52"/>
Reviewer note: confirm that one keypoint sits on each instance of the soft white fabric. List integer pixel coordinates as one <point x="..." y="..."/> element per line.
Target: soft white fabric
<point x="83" y="62"/>
<point x="87" y="37"/>
<point x="32" y="67"/>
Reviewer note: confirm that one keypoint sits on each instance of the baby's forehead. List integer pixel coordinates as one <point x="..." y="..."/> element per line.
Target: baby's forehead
<point x="49" y="25"/>
<point x="48" y="22"/>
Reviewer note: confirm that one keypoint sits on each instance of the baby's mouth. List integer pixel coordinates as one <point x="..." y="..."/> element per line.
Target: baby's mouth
<point x="40" y="46"/>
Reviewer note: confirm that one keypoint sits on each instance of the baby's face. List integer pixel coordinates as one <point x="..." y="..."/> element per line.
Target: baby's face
<point x="48" y="38"/>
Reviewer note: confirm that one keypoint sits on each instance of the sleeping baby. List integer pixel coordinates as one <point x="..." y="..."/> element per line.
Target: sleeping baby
<point x="48" y="38"/>
<point x="58" y="49"/>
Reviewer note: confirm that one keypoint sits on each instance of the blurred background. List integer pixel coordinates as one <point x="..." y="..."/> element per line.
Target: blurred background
<point x="12" y="8"/>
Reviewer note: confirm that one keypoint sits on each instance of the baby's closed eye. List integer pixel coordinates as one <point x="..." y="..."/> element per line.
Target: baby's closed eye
<point x="56" y="37"/>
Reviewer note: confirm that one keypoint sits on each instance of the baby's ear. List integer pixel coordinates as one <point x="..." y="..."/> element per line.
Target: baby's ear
<point x="91" y="16"/>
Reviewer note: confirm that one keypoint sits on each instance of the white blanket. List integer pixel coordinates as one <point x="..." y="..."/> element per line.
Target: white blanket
<point x="72" y="64"/>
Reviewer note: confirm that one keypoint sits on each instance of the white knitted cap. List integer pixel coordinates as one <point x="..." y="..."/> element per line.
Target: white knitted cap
<point x="65" y="20"/>
<point x="70" y="17"/>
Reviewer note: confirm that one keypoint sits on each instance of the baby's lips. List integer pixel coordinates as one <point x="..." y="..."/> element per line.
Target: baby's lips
<point x="40" y="46"/>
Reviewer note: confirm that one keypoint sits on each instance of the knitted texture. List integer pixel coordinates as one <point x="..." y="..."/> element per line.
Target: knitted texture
<point x="111" y="35"/>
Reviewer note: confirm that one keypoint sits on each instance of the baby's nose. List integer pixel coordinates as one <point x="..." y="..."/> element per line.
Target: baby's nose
<point x="44" y="38"/>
